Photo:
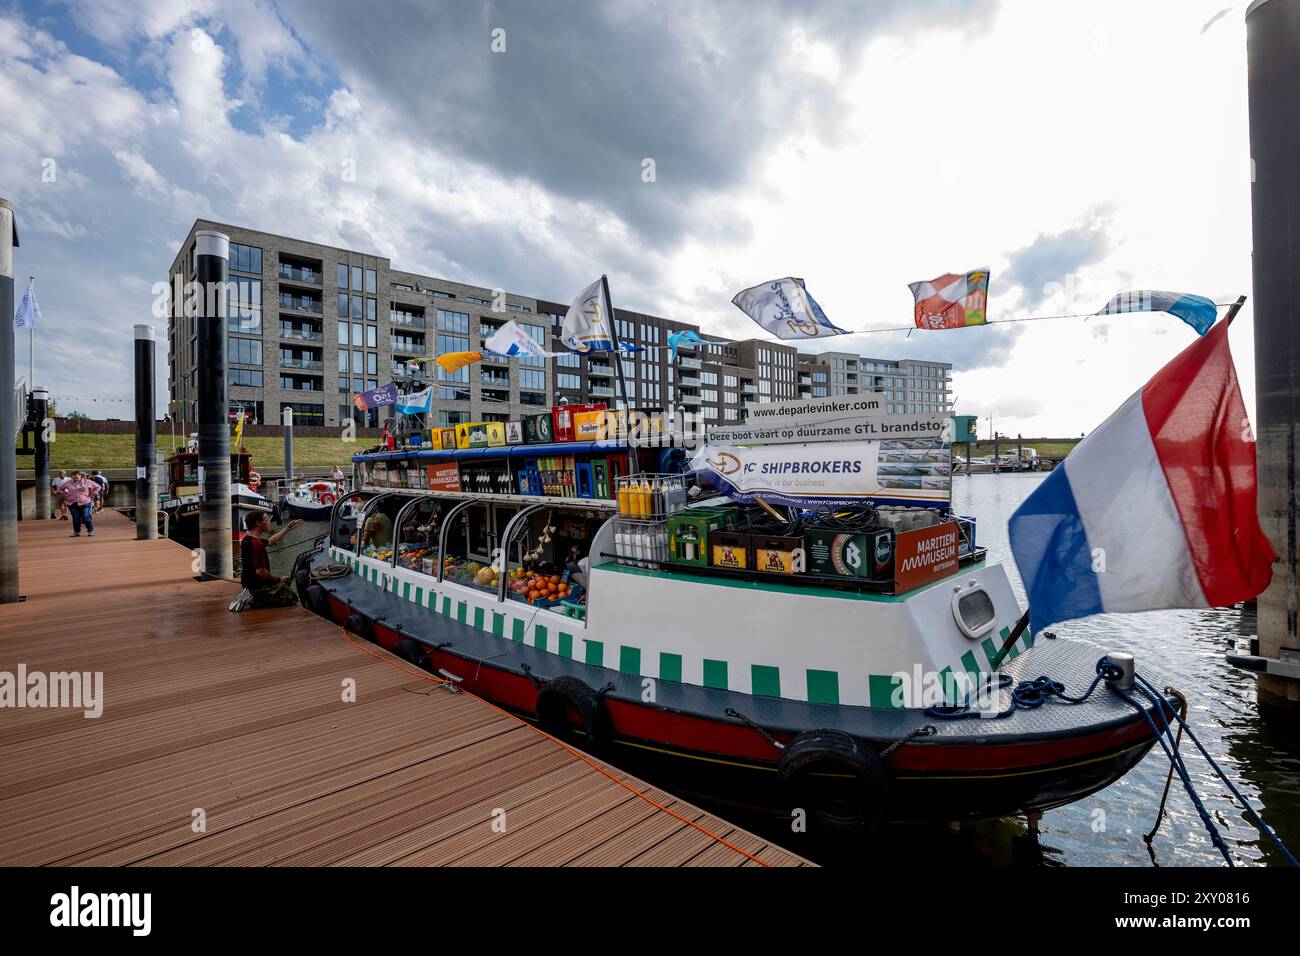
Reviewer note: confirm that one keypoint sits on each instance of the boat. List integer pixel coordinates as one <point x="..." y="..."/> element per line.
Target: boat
<point x="310" y="500"/>
<point x="180" y="503"/>
<point x="600" y="592"/>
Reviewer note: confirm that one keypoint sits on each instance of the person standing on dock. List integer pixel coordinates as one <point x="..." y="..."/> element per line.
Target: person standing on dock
<point x="79" y="493"/>
<point x="56" y="484"/>
<point x="267" y="589"/>
<point x="102" y="481"/>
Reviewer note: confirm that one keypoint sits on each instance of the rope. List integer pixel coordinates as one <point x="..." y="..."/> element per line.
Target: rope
<point x="731" y="712"/>
<point x="1182" y="707"/>
<point x="573" y="753"/>
<point x="1255" y="818"/>
<point x="926" y="731"/>
<point x="1027" y="695"/>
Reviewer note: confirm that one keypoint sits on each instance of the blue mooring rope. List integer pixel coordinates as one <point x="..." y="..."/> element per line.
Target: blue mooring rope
<point x="1030" y="694"/>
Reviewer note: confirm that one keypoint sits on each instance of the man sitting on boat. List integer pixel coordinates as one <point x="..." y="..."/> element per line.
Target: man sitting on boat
<point x="378" y="532"/>
<point x="263" y="588"/>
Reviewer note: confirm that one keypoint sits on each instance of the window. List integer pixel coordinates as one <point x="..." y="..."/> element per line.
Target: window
<point x="343" y="333"/>
<point x="342" y="303"/>
<point x="518" y="308"/>
<point x="372" y="363"/>
<point x="244" y="307"/>
<point x="371" y="285"/>
<point x="356" y="334"/>
<point x="357" y="306"/>
<point x="356" y="278"/>
<point x="452" y="343"/>
<point x="565" y="380"/>
<point x="709" y="378"/>
<point x="245" y="352"/>
<point x="709" y="394"/>
<point x="372" y="335"/>
<point x="457" y="322"/>
<point x="819" y="391"/>
<point x="729" y="414"/>
<point x="372" y="310"/>
<point x="534" y="379"/>
<point x="730" y="398"/>
<point x="568" y="360"/>
<point x="729" y="381"/>
<point x="245" y="258"/>
<point x="304" y="414"/>
<point x="477" y="301"/>
<point x="446" y="419"/>
<point x="538" y="334"/>
<point x="248" y="377"/>
<point x="343" y="275"/>
<point x="343" y="361"/>
<point x="439" y="294"/>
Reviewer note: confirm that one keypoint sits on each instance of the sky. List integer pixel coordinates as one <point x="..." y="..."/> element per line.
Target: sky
<point x="1075" y="151"/>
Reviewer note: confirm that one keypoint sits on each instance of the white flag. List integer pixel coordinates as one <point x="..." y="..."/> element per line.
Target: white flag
<point x="784" y="308"/>
<point x="510" y="339"/>
<point x="586" y="326"/>
<point x="28" y="311"/>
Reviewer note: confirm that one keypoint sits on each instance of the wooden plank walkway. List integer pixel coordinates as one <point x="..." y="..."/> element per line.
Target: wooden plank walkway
<point x="239" y="719"/>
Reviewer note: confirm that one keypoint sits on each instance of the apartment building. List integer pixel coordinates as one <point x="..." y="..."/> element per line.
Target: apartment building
<point x="311" y="325"/>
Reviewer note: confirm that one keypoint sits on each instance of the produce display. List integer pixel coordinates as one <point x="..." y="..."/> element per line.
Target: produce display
<point x="478" y="575"/>
<point x="540" y="589"/>
<point x="413" y="559"/>
<point x="381" y="554"/>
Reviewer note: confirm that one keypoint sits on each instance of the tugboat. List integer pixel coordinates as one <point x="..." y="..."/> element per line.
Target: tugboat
<point x="762" y="657"/>
<point x="181" y="500"/>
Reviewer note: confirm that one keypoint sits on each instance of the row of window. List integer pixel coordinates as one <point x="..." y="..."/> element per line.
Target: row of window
<point x="362" y="280"/>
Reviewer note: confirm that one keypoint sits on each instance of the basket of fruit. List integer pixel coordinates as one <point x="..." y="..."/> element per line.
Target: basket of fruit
<point x="540" y="590"/>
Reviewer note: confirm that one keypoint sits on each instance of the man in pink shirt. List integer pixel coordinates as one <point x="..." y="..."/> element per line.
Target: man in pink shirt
<point x="79" y="493"/>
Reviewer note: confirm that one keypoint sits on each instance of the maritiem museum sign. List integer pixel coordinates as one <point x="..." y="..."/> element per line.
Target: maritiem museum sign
<point x="848" y="418"/>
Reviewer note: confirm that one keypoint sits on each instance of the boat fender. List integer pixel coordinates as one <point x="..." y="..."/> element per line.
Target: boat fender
<point x="317" y="601"/>
<point x="412" y="651"/>
<point x="558" y="697"/>
<point x="360" y="626"/>
<point x="864" y="798"/>
<point x="327" y="499"/>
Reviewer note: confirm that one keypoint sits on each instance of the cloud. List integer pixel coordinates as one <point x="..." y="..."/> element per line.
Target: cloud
<point x="1044" y="267"/>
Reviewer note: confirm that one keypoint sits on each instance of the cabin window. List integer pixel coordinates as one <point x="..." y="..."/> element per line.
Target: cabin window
<point x="473" y="540"/>
<point x="547" y="558"/>
<point x="376" y="535"/>
<point x="343" y="526"/>
<point x="417" y="535"/>
<point x="973" y="609"/>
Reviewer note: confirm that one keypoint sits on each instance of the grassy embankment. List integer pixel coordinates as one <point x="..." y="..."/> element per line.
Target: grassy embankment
<point x="1055" y="449"/>
<point x="80" y="450"/>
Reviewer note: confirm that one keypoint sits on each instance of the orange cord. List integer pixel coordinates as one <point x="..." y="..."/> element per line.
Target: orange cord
<point x="573" y="753"/>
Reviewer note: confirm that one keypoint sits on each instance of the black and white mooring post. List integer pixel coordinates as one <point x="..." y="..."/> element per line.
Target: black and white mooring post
<point x="1273" y="88"/>
<point x="40" y="421"/>
<point x="8" y="413"/>
<point x="146" y="437"/>
<point x="211" y="272"/>
<point x="287" y="418"/>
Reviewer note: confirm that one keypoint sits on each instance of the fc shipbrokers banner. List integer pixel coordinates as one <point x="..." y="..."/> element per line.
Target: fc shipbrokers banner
<point x="835" y="474"/>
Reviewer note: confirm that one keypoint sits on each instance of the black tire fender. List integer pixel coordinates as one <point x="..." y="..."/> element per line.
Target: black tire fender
<point x="838" y="779"/>
<point x="317" y="601"/>
<point x="558" y="697"/>
<point x="360" y="626"/>
<point x="412" y="651"/>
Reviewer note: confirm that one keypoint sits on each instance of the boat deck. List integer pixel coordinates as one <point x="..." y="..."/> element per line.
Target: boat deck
<point x="238" y="721"/>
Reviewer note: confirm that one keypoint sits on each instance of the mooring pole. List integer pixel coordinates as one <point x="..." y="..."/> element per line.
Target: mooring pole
<point x="211" y="269"/>
<point x="40" y="418"/>
<point x="8" y="413"/>
<point x="1274" y="92"/>
<point x="287" y="419"/>
<point x="146" y="438"/>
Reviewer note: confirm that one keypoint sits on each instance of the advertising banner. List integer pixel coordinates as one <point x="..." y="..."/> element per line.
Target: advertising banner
<point x="849" y="427"/>
<point x="924" y="555"/>
<point x="840" y="473"/>
<point x="444" y="477"/>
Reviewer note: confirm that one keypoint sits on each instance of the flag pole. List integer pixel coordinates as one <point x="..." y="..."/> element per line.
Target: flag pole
<point x="31" y="348"/>
<point x="633" y="466"/>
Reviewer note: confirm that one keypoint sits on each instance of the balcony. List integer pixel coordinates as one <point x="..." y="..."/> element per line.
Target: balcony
<point x="306" y="365"/>
<point x="805" y="379"/>
<point x="301" y="334"/>
<point x="299" y="303"/>
<point x="600" y="391"/>
<point x="748" y="388"/>
<point x="303" y="274"/>
<point x="604" y="371"/>
<point x="687" y="362"/>
<point x="686" y="399"/>
<point x="492" y="380"/>
<point x="301" y="385"/>
<point x="690" y="381"/>
<point x="406" y="346"/>
<point x="407" y="320"/>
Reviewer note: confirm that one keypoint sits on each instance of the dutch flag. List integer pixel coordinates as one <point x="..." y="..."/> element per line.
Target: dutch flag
<point x="1155" y="508"/>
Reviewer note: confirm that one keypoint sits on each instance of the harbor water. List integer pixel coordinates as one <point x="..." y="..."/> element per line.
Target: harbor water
<point x="1181" y="649"/>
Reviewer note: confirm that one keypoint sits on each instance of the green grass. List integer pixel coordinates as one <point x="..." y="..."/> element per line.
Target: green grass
<point x="1047" y="448"/>
<point x="79" y="450"/>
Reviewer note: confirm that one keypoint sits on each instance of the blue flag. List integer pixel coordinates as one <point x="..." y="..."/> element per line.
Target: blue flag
<point x="1196" y="310"/>
<point x="685" y="337"/>
<point x="784" y="308"/>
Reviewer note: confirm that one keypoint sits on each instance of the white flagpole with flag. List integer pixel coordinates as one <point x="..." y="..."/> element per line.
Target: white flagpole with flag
<point x="25" y="318"/>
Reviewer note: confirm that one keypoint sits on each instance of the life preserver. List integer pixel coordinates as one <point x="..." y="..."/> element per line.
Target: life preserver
<point x="327" y="499"/>
<point x="558" y="697"/>
<point x="837" y="779"/>
<point x="254" y="481"/>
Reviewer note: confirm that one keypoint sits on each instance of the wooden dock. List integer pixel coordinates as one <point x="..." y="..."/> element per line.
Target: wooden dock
<point x="225" y="739"/>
